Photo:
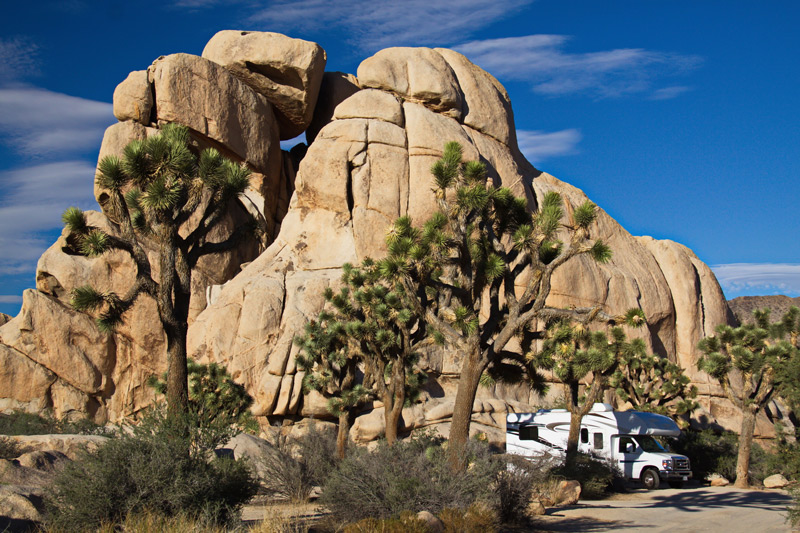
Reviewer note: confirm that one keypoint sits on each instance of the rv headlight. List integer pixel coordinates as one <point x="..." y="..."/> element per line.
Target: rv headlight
<point x="666" y="464"/>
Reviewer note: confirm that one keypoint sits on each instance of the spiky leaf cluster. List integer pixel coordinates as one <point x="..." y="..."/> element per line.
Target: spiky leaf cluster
<point x="214" y="396"/>
<point x="653" y="383"/>
<point x="763" y="353"/>
<point x="154" y="188"/>
<point x="367" y="324"/>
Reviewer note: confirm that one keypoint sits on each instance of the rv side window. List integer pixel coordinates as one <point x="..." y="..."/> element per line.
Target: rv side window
<point x="528" y="433"/>
<point x="584" y="435"/>
<point x="626" y="445"/>
<point x="598" y="441"/>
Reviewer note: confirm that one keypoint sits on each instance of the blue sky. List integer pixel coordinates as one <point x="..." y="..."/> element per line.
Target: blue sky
<point x="680" y="118"/>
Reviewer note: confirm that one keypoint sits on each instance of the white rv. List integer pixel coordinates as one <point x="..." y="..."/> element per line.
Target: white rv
<point x="624" y="437"/>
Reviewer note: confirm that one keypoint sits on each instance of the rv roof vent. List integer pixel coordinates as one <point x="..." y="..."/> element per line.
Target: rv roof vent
<point x="602" y="407"/>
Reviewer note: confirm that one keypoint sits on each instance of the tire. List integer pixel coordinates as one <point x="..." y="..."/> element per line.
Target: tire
<point x="650" y="479"/>
<point x="676" y="484"/>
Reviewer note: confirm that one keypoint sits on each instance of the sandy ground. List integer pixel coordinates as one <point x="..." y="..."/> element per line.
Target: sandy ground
<point x="722" y="509"/>
<point x="691" y="509"/>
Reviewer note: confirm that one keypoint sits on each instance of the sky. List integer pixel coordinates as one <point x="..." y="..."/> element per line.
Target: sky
<point x="680" y="118"/>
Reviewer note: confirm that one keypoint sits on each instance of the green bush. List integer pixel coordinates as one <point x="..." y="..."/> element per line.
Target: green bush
<point x="516" y="485"/>
<point x="413" y="475"/>
<point x="713" y="452"/>
<point x="165" y="466"/>
<point x="785" y="460"/>
<point x="22" y="423"/>
<point x="9" y="448"/>
<point x="214" y="398"/>
<point x="293" y="466"/>
<point x="597" y="476"/>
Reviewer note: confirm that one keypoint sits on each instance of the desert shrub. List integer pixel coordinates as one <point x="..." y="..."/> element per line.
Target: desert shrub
<point x="293" y="466"/>
<point x="9" y="448"/>
<point x="785" y="460"/>
<point x="411" y="475"/>
<point x="22" y="423"/>
<point x="517" y="484"/>
<point x="793" y="511"/>
<point x="478" y="518"/>
<point x="597" y="476"/>
<point x="164" y="467"/>
<point x="405" y="522"/>
<point x="713" y="452"/>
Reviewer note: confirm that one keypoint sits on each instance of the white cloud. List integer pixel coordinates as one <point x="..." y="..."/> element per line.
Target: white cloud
<point x="33" y="200"/>
<point x="771" y="278"/>
<point x="539" y="145"/>
<point x="38" y="122"/>
<point x="379" y="23"/>
<point x="10" y="299"/>
<point x="668" y="93"/>
<point x="17" y="59"/>
<point x="542" y="61"/>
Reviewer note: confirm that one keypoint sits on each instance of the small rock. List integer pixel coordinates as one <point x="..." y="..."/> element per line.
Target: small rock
<point x="775" y="481"/>
<point x="46" y="461"/>
<point x="433" y="524"/>
<point x="718" y="481"/>
<point x="21" y="503"/>
<point x="536" y="508"/>
<point x="568" y="492"/>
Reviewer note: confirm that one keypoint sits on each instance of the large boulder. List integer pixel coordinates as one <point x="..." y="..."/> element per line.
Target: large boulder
<point x="133" y="98"/>
<point x="288" y="72"/>
<point x="370" y="164"/>
<point x="206" y="97"/>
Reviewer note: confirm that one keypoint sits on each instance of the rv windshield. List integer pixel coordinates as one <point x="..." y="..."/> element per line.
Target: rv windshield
<point x="649" y="444"/>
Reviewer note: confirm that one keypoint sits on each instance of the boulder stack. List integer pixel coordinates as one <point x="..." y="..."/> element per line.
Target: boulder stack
<point x="372" y="139"/>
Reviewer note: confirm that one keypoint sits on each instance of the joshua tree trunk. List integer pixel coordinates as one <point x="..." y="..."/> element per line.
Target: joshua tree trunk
<point x="393" y="400"/>
<point x="177" y="374"/>
<point x="577" y="412"/>
<point x="745" y="445"/>
<point x="468" y="381"/>
<point x="342" y="433"/>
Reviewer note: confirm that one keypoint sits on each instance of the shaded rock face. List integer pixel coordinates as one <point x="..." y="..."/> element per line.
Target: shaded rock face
<point x="375" y="136"/>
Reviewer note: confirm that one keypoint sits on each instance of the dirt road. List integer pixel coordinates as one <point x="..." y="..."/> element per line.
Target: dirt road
<point x="721" y="509"/>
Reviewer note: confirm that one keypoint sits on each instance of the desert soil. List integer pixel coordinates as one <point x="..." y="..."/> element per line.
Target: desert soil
<point x="676" y="510"/>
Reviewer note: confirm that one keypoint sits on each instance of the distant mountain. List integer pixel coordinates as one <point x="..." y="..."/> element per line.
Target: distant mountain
<point x="743" y="306"/>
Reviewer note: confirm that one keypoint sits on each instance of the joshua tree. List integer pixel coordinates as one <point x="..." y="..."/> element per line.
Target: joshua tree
<point x="480" y="271"/>
<point x="332" y="370"/>
<point x="369" y="325"/>
<point x="577" y="355"/>
<point x="761" y="353"/>
<point x="155" y="188"/>
<point x="655" y="384"/>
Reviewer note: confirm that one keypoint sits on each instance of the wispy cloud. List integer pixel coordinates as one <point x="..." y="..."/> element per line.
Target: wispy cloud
<point x="543" y="61"/>
<point x="668" y="93"/>
<point x="376" y="24"/>
<point x="540" y="145"/>
<point x="768" y="278"/>
<point x="33" y="199"/>
<point x="10" y="299"/>
<point x="18" y="58"/>
<point x="38" y="122"/>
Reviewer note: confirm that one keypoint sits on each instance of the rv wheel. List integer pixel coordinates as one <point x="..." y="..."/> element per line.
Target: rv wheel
<point x="650" y="479"/>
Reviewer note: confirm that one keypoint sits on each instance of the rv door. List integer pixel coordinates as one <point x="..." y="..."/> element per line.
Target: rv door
<point x="626" y="453"/>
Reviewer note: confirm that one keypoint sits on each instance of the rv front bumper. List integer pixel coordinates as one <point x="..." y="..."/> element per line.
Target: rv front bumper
<point x="675" y="475"/>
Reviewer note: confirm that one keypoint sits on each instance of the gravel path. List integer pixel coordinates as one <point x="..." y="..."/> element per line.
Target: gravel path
<point x="721" y="509"/>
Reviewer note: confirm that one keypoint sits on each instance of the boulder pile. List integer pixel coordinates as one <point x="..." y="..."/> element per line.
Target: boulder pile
<point x="371" y="138"/>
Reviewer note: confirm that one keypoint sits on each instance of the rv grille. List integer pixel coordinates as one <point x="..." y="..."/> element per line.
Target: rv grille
<point x="681" y="464"/>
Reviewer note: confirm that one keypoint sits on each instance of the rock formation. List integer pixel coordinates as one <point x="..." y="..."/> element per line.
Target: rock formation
<point x="372" y="139"/>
